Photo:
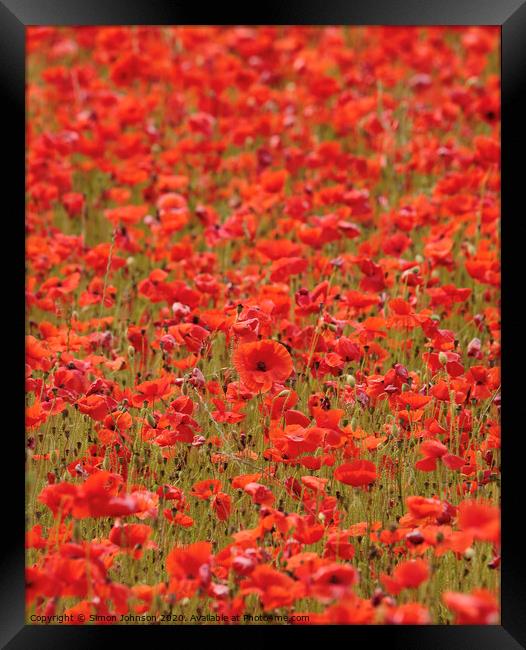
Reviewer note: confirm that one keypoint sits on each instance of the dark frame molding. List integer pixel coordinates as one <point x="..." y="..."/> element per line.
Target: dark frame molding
<point x="15" y="16"/>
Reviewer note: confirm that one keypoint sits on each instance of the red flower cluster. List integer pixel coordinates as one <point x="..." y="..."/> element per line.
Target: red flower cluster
<point x="263" y="334"/>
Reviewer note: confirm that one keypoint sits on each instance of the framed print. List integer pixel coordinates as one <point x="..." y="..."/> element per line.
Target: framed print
<point x="268" y="263"/>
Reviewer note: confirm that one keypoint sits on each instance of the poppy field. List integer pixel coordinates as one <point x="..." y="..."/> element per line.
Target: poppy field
<point x="263" y="325"/>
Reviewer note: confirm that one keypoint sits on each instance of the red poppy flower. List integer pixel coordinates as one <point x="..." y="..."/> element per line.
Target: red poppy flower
<point x="96" y="406"/>
<point x="206" y="488"/>
<point x="480" y="607"/>
<point x="357" y="473"/>
<point x="262" y="363"/>
<point x="480" y="518"/>
<point x="273" y="587"/>
<point x="188" y="562"/>
<point x="132" y="537"/>
<point x="221" y="505"/>
<point x="407" y="575"/>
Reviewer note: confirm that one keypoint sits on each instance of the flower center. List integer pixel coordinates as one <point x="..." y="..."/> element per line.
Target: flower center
<point x="261" y="365"/>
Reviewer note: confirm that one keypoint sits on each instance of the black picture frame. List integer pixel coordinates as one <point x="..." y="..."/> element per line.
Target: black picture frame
<point x="15" y="16"/>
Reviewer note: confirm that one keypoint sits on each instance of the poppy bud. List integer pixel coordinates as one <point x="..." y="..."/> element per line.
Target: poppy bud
<point x="442" y="357"/>
<point x="473" y="348"/>
<point x="243" y="565"/>
<point x="469" y="553"/>
<point x="204" y="575"/>
<point x="377" y="598"/>
<point x="283" y="393"/>
<point x="197" y="379"/>
<point x="350" y="380"/>
<point x="435" y="317"/>
<point x="151" y="421"/>
<point x="495" y="563"/>
<point x="179" y="310"/>
<point x="131" y="351"/>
